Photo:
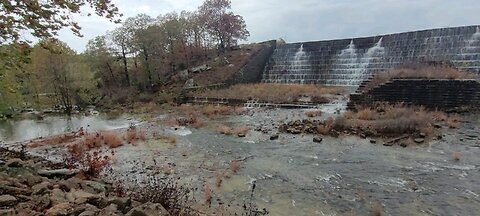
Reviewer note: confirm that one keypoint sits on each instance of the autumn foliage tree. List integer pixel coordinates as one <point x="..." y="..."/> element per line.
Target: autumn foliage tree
<point x="43" y="19"/>
<point x="224" y="26"/>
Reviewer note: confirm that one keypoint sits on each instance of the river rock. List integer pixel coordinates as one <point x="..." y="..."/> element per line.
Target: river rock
<point x="61" y="209"/>
<point x="274" y="137"/>
<point x="41" y="202"/>
<point x="15" y="162"/>
<point x="94" y="187"/>
<point x="58" y="196"/>
<point x="59" y="173"/>
<point x="373" y="141"/>
<point x="148" y="209"/>
<point x="111" y="210"/>
<point x="15" y="190"/>
<point x="419" y="140"/>
<point x="41" y="188"/>
<point x="123" y="204"/>
<point x="7" y="200"/>
<point x="317" y="139"/>
<point x="241" y="135"/>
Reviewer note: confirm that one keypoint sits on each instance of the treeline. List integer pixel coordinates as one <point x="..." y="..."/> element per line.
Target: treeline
<point x="138" y="56"/>
<point x="144" y="51"/>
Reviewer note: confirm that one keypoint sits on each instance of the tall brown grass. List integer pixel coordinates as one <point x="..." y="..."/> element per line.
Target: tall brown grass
<point x="241" y="130"/>
<point x="223" y="129"/>
<point x="207" y="194"/>
<point x="234" y="166"/>
<point x="276" y="93"/>
<point x="424" y="72"/>
<point x="389" y="120"/>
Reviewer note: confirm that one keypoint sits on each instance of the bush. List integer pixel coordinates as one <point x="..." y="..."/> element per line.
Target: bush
<point x="426" y="72"/>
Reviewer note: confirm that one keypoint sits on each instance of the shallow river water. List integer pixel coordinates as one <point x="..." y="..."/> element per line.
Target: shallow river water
<point x="295" y="176"/>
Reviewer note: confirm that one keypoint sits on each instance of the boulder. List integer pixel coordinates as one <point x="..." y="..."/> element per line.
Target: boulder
<point x="15" y="190"/>
<point x="57" y="196"/>
<point x="111" y="210"/>
<point x="94" y="187"/>
<point x="15" y="162"/>
<point x="41" y="202"/>
<point x="7" y="200"/>
<point x="123" y="204"/>
<point x="59" y="173"/>
<point x="61" y="209"/>
<point x="42" y="188"/>
<point x="148" y="209"/>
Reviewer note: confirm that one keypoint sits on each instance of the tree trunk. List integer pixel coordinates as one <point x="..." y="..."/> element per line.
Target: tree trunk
<point x="125" y="66"/>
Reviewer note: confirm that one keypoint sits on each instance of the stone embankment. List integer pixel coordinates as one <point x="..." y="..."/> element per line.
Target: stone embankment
<point x="32" y="186"/>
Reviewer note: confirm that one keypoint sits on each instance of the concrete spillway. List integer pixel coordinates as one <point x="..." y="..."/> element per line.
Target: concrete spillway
<point x="350" y="61"/>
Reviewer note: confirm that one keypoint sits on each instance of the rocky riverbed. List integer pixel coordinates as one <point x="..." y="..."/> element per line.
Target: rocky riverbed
<point x="33" y="186"/>
<point x="293" y="175"/>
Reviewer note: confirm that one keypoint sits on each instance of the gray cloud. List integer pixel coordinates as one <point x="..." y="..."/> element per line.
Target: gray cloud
<point x="305" y="20"/>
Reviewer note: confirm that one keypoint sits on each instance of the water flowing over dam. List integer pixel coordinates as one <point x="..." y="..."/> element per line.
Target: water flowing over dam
<point x="347" y="62"/>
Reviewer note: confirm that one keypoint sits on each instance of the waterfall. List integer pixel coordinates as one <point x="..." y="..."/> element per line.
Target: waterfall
<point x="346" y="66"/>
<point x="299" y="66"/>
<point x="370" y="60"/>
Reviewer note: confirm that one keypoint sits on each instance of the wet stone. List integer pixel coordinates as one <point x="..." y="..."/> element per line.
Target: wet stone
<point x="317" y="139"/>
<point x="241" y="135"/>
<point x="373" y="141"/>
<point x="419" y="140"/>
<point x="274" y="137"/>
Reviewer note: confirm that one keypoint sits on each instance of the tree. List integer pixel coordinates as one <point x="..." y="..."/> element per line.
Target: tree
<point x="226" y="27"/>
<point x="57" y="68"/>
<point x="43" y="19"/>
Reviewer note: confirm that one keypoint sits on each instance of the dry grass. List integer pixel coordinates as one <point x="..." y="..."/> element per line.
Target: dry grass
<point x="111" y="139"/>
<point x="207" y="194"/>
<point x="276" y="93"/>
<point x="234" y="166"/>
<point x="313" y="113"/>
<point x="393" y="120"/>
<point x="453" y="121"/>
<point x="456" y="156"/>
<point x="241" y="130"/>
<point x="388" y="120"/>
<point x="132" y="135"/>
<point x="223" y="129"/>
<point x="212" y="111"/>
<point x="426" y="72"/>
<point x="219" y="178"/>
<point x="170" y="139"/>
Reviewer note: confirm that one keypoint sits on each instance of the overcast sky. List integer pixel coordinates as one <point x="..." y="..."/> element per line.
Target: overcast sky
<point x="306" y="20"/>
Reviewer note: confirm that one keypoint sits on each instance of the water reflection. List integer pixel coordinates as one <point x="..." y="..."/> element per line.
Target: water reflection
<point x="26" y="129"/>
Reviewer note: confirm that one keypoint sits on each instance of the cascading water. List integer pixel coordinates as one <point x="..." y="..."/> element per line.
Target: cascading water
<point x="299" y="66"/>
<point x="371" y="60"/>
<point x="346" y="66"/>
<point x="349" y="62"/>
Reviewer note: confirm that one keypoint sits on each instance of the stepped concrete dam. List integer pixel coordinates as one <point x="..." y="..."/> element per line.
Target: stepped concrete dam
<point x="348" y="62"/>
